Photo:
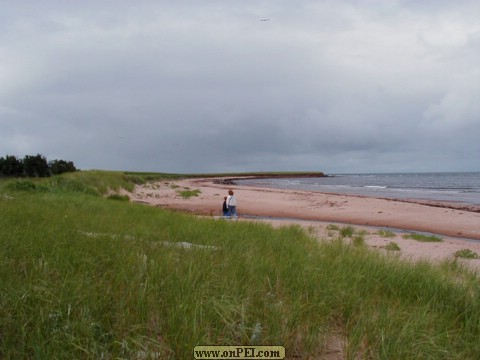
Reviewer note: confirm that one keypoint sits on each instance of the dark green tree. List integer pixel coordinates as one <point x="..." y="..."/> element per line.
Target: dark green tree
<point x="11" y="166"/>
<point x="36" y="166"/>
<point x="33" y="166"/>
<point x="58" y="167"/>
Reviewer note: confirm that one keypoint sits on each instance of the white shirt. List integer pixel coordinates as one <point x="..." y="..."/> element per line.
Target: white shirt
<point x="231" y="200"/>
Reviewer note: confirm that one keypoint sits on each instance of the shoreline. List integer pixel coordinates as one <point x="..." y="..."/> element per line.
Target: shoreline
<point x="459" y="226"/>
<point x="450" y="204"/>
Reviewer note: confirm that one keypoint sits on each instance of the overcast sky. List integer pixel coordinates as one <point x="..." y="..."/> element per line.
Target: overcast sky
<point x="339" y="86"/>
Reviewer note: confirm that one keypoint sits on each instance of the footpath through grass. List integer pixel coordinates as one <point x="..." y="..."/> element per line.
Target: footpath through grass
<point x="85" y="277"/>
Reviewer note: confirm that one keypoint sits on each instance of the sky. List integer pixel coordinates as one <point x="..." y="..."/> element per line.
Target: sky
<point x="210" y="86"/>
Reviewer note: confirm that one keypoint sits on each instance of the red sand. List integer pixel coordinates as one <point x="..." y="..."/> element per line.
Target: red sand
<point x="459" y="226"/>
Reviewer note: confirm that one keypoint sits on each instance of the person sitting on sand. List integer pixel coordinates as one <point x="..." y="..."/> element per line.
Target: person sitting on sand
<point x="225" y="207"/>
<point x="232" y="204"/>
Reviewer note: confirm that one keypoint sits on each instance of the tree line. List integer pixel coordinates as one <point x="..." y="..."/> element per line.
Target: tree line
<point x="33" y="166"/>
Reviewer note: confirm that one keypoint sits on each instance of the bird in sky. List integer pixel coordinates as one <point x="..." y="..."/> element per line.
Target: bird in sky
<point x="264" y="19"/>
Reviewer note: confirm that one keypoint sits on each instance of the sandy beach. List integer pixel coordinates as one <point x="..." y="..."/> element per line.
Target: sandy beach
<point x="458" y="225"/>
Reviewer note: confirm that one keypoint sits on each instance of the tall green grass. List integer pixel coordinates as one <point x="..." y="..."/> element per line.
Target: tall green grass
<point x="85" y="277"/>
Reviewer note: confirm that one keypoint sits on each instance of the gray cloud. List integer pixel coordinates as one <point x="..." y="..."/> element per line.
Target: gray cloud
<point x="206" y="86"/>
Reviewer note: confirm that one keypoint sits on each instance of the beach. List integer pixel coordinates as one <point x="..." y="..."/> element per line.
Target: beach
<point x="458" y="225"/>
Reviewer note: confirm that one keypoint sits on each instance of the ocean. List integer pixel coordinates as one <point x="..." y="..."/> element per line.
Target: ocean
<point x="459" y="187"/>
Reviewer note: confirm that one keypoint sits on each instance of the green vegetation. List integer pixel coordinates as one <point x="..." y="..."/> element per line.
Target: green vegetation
<point x="358" y="240"/>
<point x="83" y="277"/>
<point x="187" y="193"/>
<point x="347" y="231"/>
<point x="386" y="233"/>
<point x="33" y="166"/>
<point x="392" y="246"/>
<point x="149" y="176"/>
<point x="422" y="237"/>
<point x="466" y="254"/>
<point x="118" y="197"/>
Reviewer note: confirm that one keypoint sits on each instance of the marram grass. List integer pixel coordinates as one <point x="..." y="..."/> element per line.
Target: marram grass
<point x="86" y="277"/>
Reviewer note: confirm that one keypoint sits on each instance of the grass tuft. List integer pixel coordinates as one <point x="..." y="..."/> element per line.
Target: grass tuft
<point x="358" y="240"/>
<point x="392" y="246"/>
<point x="188" y="193"/>
<point x="347" y="231"/>
<point x="386" y="233"/>
<point x="333" y="227"/>
<point x="466" y="254"/>
<point x="422" y="237"/>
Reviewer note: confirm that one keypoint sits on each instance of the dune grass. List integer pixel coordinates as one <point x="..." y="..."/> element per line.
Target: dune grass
<point x="85" y="277"/>
<point x="188" y="193"/>
<point x="466" y="254"/>
<point x="392" y="246"/>
<point x="422" y="237"/>
<point x="386" y="233"/>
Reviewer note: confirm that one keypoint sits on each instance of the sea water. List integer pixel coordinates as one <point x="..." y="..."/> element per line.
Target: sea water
<point x="460" y="187"/>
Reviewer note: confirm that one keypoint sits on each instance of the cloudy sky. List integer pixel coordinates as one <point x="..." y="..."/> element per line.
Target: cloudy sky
<point x="340" y="86"/>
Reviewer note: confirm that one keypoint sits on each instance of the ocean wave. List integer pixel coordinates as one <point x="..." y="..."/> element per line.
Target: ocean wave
<point x="460" y="187"/>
